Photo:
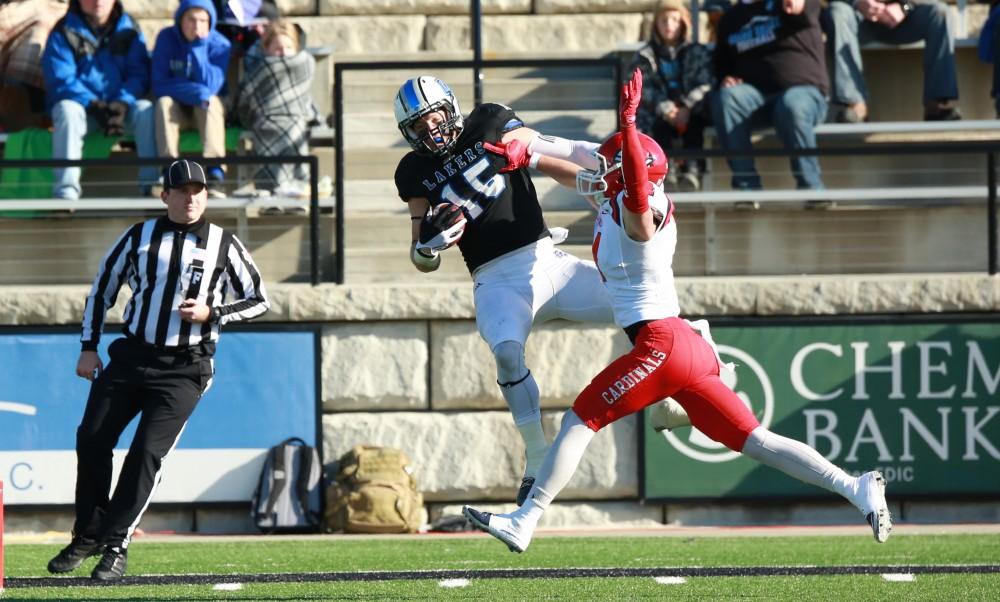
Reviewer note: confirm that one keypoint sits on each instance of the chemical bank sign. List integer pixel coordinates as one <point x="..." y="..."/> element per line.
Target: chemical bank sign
<point x="920" y="402"/>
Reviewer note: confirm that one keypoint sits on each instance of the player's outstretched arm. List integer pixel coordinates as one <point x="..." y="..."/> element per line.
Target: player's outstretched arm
<point x="637" y="218"/>
<point x="558" y="158"/>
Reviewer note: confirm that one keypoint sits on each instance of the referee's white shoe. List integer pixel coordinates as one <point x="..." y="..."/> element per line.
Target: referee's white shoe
<point x="871" y="498"/>
<point x="503" y="527"/>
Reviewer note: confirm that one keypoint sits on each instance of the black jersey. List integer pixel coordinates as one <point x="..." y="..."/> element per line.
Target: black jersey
<point x="502" y="209"/>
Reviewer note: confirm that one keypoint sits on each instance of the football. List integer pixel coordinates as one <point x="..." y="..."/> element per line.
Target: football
<point x="443" y="216"/>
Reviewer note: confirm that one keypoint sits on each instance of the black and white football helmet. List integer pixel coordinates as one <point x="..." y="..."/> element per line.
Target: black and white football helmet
<point x="423" y="95"/>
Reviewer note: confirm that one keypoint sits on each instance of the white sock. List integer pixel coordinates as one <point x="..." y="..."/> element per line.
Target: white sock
<point x="797" y="459"/>
<point x="535" y="444"/>
<point x="560" y="463"/>
<point x="522" y="399"/>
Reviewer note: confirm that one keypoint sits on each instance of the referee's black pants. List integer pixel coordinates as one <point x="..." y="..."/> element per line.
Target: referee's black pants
<point x="161" y="385"/>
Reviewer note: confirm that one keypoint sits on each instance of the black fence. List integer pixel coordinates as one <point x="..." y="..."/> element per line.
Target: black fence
<point x="310" y="160"/>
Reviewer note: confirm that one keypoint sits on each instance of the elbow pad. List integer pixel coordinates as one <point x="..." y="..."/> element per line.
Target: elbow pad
<point x="579" y="152"/>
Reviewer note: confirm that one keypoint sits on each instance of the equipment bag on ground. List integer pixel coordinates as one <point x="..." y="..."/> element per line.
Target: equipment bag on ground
<point x="287" y="497"/>
<point x="374" y="492"/>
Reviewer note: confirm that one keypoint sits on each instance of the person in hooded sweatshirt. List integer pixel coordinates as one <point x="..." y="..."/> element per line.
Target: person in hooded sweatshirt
<point x="96" y="70"/>
<point x="189" y="73"/>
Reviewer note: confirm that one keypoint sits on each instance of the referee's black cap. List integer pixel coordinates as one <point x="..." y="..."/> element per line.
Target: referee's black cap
<point x="183" y="172"/>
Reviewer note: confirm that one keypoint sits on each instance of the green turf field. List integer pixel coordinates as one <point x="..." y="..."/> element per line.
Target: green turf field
<point x="465" y="556"/>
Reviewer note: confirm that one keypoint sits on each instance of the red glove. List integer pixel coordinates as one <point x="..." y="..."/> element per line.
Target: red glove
<point x="629" y="103"/>
<point x="633" y="155"/>
<point x="515" y="152"/>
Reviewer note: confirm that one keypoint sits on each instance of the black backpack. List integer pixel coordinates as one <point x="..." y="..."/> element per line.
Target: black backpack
<point x="287" y="497"/>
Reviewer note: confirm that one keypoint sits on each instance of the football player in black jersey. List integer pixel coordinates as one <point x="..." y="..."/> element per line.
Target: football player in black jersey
<point x="462" y="188"/>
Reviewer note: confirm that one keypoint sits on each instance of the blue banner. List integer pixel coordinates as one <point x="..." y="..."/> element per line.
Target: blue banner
<point x="264" y="391"/>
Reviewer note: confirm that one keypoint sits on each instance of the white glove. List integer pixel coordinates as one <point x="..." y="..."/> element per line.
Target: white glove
<point x="442" y="228"/>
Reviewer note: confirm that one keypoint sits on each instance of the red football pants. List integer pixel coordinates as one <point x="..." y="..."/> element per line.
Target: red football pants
<point x="670" y="359"/>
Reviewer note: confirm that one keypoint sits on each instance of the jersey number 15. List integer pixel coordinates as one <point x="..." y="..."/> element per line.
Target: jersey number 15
<point x="482" y="191"/>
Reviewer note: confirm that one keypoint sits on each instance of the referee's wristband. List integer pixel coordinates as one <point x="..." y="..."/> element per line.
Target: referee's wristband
<point x="533" y="161"/>
<point x="214" y="314"/>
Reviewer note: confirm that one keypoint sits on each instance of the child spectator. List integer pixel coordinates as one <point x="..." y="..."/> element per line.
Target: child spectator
<point x="274" y="104"/>
<point x="678" y="75"/>
<point x="96" y="70"/>
<point x="189" y="74"/>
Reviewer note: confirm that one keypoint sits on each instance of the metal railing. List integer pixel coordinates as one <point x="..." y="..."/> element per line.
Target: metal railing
<point x="310" y="160"/>
<point x="986" y="149"/>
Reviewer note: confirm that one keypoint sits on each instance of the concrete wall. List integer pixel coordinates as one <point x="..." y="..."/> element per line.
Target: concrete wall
<point x="403" y="366"/>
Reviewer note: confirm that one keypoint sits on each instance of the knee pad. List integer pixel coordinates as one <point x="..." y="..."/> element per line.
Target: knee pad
<point x="509" y="356"/>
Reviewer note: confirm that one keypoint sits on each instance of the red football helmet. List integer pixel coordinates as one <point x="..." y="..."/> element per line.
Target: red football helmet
<point x="606" y="181"/>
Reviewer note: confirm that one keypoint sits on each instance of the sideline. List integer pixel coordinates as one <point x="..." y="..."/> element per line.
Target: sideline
<point x="723" y="571"/>
<point x="57" y="537"/>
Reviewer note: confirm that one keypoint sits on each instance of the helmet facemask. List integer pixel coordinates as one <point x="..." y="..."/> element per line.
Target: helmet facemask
<point x="438" y="140"/>
<point x="607" y="181"/>
<point x="592" y="183"/>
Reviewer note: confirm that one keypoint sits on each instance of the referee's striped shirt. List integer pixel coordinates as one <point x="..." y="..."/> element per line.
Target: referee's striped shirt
<point x="165" y="263"/>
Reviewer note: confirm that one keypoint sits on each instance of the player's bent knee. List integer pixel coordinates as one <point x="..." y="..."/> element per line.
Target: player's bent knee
<point x="509" y="356"/>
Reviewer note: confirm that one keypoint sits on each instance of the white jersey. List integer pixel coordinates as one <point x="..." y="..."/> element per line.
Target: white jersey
<point x="638" y="275"/>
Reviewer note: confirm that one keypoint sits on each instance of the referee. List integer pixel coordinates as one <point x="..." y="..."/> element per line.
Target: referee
<point x="181" y="269"/>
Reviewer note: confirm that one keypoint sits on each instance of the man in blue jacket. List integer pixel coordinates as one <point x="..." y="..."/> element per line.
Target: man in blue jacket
<point x="189" y="71"/>
<point x="96" y="70"/>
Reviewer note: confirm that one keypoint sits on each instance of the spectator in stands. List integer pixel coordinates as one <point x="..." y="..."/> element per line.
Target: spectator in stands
<point x="678" y="75"/>
<point x="245" y="29"/>
<point x="24" y="27"/>
<point x="770" y="62"/>
<point x="96" y="69"/>
<point x="242" y="22"/>
<point x="189" y="74"/>
<point x="989" y="50"/>
<point x="274" y="104"/>
<point x="856" y="22"/>
<point x="714" y="10"/>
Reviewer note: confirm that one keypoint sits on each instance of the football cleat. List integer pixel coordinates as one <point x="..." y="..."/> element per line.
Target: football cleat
<point x="871" y="493"/>
<point x="73" y="555"/>
<point x="499" y="526"/>
<point x="112" y="565"/>
<point x="524" y="490"/>
<point x="667" y="415"/>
